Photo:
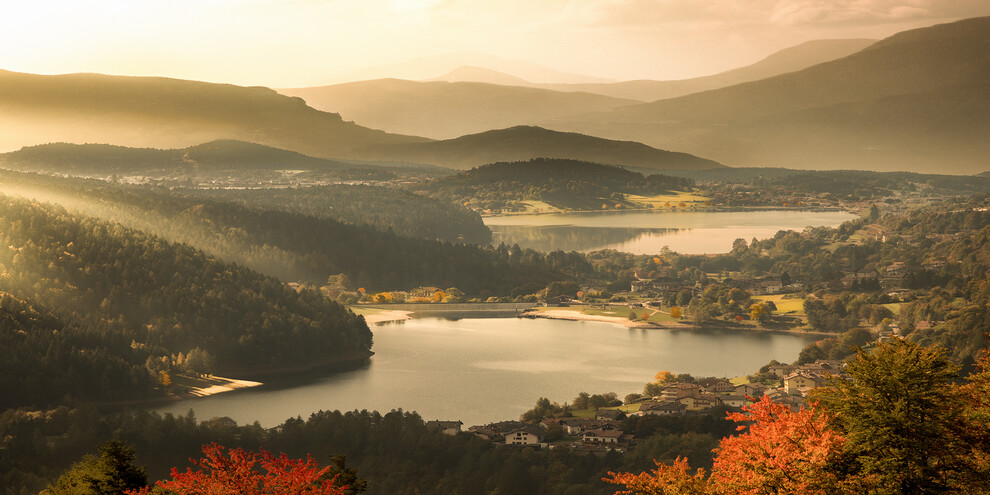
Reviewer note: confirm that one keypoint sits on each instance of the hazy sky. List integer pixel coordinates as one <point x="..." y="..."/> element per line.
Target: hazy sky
<point x="290" y="43"/>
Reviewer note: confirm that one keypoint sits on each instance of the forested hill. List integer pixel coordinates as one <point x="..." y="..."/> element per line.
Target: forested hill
<point x="566" y="183"/>
<point x="219" y="155"/>
<point x="97" y="311"/>
<point x="406" y="214"/>
<point x="295" y="246"/>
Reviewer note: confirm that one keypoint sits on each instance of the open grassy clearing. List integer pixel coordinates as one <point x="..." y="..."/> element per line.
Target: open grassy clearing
<point x="667" y="200"/>
<point x="791" y="306"/>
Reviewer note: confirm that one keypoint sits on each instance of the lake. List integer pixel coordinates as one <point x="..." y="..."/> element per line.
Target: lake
<point x="481" y="370"/>
<point x="688" y="232"/>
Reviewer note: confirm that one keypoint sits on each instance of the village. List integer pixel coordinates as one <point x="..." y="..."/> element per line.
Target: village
<point x="602" y="430"/>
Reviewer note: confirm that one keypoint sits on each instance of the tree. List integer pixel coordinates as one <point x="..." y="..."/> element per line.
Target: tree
<point x="662" y="480"/>
<point x="453" y="295"/>
<point x="901" y="418"/>
<point x="976" y="398"/>
<point x="113" y="472"/>
<point x="346" y="477"/>
<point x="782" y="452"/>
<point x="675" y="313"/>
<point x="234" y="471"/>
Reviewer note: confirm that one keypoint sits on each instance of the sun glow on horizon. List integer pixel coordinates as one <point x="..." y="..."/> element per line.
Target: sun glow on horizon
<point x="294" y="43"/>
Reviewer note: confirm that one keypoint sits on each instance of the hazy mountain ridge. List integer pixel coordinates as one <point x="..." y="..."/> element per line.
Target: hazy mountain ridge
<point x="886" y="107"/>
<point x="445" y="110"/>
<point x="784" y="61"/>
<point x="168" y="113"/>
<point x="522" y="143"/>
<point x="431" y="67"/>
<point x="473" y="99"/>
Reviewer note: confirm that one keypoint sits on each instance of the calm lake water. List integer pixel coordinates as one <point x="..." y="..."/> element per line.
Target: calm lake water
<point x="689" y="232"/>
<point x="484" y="370"/>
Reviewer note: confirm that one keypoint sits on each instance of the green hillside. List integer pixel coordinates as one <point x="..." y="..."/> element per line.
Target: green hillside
<point x="566" y="184"/>
<point x="94" y="310"/>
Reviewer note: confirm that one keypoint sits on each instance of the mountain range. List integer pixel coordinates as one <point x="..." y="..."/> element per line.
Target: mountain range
<point x="444" y="110"/>
<point x="787" y="60"/>
<point x="915" y="101"/>
<point x="918" y="100"/>
<point x="168" y="113"/>
<point x="475" y="99"/>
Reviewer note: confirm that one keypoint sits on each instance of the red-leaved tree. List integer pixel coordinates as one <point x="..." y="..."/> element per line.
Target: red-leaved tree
<point x="782" y="452"/>
<point x="234" y="471"/>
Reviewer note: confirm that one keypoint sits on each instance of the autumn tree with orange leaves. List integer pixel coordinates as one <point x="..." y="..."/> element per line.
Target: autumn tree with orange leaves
<point x="233" y="471"/>
<point x="781" y="452"/>
<point x="899" y="426"/>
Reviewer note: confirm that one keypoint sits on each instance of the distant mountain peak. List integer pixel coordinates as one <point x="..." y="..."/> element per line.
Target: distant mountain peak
<point x="425" y="68"/>
<point x="471" y="73"/>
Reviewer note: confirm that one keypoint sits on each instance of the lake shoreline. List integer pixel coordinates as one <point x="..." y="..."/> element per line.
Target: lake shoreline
<point x="709" y="209"/>
<point x="251" y="379"/>
<point x="572" y="315"/>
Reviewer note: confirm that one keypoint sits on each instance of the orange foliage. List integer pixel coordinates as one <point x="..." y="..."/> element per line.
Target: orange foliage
<point x="664" y="480"/>
<point x="663" y="376"/>
<point x="783" y="452"/>
<point x="234" y="472"/>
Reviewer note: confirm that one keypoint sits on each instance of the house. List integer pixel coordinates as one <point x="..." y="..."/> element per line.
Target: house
<point x="767" y="286"/>
<point x="754" y="390"/>
<point x="668" y="408"/>
<point x="445" y="427"/>
<point x="609" y="414"/>
<point x="424" y="291"/>
<point x="571" y="426"/>
<point x="734" y="400"/>
<point x="529" y="435"/>
<point x="780" y="370"/>
<point x="699" y="402"/>
<point x="496" y="431"/>
<point x="795" y="402"/>
<point x="601" y="436"/>
<point x="795" y="382"/>
<point x="675" y="391"/>
<point x="720" y="387"/>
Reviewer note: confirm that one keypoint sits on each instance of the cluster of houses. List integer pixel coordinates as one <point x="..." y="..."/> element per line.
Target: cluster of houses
<point x="604" y="431"/>
<point x="601" y="433"/>
<point x="683" y="398"/>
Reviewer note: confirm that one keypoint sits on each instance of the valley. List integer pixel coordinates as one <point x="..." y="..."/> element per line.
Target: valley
<point x="760" y="272"/>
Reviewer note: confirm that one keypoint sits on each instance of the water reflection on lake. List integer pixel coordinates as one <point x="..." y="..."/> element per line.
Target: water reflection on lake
<point x="483" y="370"/>
<point x="647" y="232"/>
